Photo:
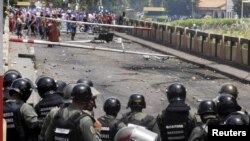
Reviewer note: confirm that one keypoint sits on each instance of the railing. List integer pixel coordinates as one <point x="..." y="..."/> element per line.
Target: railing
<point x="233" y="50"/>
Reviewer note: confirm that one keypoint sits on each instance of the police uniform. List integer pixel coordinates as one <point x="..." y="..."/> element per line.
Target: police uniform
<point x="142" y="119"/>
<point x="110" y="126"/>
<point x="85" y="130"/>
<point x="199" y="133"/>
<point x="49" y="102"/>
<point x="171" y="120"/>
<point x="22" y="121"/>
<point x="46" y="122"/>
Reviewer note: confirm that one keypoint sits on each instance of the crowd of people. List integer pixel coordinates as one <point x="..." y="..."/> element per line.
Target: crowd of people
<point x="65" y="113"/>
<point x="41" y="23"/>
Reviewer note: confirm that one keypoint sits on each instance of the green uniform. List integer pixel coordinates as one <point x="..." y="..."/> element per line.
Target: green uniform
<point x="30" y="122"/>
<point x="86" y="133"/>
<point x="142" y="119"/>
<point x="47" y="121"/>
<point x="199" y="133"/>
<point x="110" y="126"/>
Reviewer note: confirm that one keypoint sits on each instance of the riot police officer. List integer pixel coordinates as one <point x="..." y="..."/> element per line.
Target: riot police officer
<point x="22" y="121"/>
<point x="227" y="104"/>
<point x="67" y="100"/>
<point x="207" y="110"/>
<point x="75" y="119"/>
<point x="8" y="77"/>
<point x="110" y="125"/>
<point x="176" y="118"/>
<point x="46" y="87"/>
<point x="136" y="103"/>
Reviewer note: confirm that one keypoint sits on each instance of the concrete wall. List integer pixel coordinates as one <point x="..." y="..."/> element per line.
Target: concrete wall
<point x="233" y="50"/>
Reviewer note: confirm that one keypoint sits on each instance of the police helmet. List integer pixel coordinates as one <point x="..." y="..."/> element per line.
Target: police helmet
<point x="235" y="120"/>
<point x="136" y="101"/>
<point x="45" y="84"/>
<point x="60" y="86"/>
<point x="229" y="89"/>
<point x="82" y="93"/>
<point x="21" y="86"/>
<point x="86" y="81"/>
<point x="207" y="106"/>
<point x="9" y="77"/>
<point x="112" y="106"/>
<point x="227" y="104"/>
<point x="176" y="91"/>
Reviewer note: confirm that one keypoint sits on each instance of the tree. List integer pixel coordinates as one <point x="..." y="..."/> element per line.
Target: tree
<point x="237" y="8"/>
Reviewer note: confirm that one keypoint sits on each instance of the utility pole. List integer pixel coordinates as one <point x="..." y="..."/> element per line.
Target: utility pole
<point x="1" y="68"/>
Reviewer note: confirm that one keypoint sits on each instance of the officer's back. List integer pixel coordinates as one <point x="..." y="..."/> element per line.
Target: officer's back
<point x="75" y="122"/>
<point x="47" y="87"/>
<point x="136" y="103"/>
<point x="207" y="110"/>
<point x="110" y="125"/>
<point x="176" y="122"/>
<point x="22" y="121"/>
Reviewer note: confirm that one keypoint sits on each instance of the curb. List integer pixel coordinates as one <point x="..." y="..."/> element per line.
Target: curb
<point x="237" y="74"/>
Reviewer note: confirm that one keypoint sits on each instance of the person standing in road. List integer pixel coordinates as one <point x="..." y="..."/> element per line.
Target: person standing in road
<point x="176" y="121"/>
<point x="110" y="125"/>
<point x="46" y="87"/>
<point x="136" y="103"/>
<point x="22" y="120"/>
<point x="207" y="110"/>
<point x="75" y="122"/>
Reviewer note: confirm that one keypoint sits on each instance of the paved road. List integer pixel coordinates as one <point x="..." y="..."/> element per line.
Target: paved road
<point x="119" y="75"/>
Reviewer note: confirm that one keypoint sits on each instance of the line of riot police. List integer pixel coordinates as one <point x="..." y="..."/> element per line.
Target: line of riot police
<point x="65" y="113"/>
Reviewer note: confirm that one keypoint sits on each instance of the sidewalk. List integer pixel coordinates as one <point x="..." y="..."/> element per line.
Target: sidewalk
<point x="25" y="66"/>
<point x="236" y="73"/>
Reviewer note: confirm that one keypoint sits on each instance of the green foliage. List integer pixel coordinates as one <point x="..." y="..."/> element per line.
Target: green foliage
<point x="231" y="27"/>
<point x="200" y="22"/>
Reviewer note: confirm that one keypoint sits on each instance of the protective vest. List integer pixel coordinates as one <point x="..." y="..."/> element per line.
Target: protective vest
<point x="15" y="124"/>
<point x="108" y="129"/>
<point x="148" y="121"/>
<point x="46" y="104"/>
<point x="68" y="129"/>
<point x="175" y="124"/>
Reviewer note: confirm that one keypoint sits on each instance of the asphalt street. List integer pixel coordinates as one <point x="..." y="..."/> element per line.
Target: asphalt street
<point x="119" y="75"/>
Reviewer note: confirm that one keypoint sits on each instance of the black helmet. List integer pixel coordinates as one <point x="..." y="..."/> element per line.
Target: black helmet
<point x="21" y="86"/>
<point x="60" y="86"/>
<point x="45" y="84"/>
<point x="82" y="93"/>
<point x="9" y="77"/>
<point x="112" y="106"/>
<point x="243" y="115"/>
<point x="136" y="101"/>
<point x="176" y="91"/>
<point x="235" y="120"/>
<point x="86" y="81"/>
<point x="227" y="104"/>
<point x="207" y="106"/>
<point x="229" y="89"/>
